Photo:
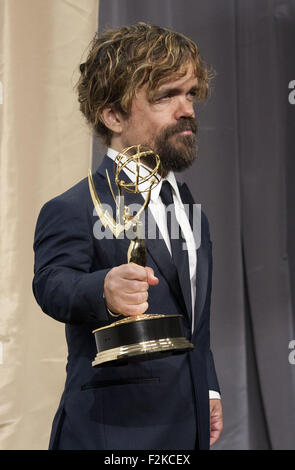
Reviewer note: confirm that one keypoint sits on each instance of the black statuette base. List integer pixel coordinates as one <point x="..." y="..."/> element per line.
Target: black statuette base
<point x="140" y="338"/>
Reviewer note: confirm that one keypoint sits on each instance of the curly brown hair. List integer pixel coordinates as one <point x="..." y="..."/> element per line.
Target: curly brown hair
<point x="121" y="61"/>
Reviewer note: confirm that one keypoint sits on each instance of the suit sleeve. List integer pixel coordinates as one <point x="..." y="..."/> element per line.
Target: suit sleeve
<point x="211" y="372"/>
<point x="65" y="285"/>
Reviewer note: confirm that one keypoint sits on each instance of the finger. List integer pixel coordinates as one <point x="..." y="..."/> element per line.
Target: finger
<point x="131" y="286"/>
<point x="133" y="310"/>
<point x="134" y="271"/>
<point x="214" y="436"/>
<point x="137" y="298"/>
<point x="151" y="278"/>
<point x="215" y="429"/>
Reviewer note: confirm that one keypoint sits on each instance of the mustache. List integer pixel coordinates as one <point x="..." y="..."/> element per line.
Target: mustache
<point x="185" y="124"/>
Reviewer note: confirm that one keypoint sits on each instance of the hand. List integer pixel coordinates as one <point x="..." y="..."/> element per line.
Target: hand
<point x="126" y="288"/>
<point x="216" y="423"/>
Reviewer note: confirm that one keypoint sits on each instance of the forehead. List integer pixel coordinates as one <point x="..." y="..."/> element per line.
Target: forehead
<point x="185" y="76"/>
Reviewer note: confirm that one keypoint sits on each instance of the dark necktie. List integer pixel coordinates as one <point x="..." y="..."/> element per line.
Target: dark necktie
<point x="174" y="231"/>
<point x="178" y="248"/>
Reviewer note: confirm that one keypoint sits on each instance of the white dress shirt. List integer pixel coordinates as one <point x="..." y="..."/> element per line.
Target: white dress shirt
<point x="158" y="210"/>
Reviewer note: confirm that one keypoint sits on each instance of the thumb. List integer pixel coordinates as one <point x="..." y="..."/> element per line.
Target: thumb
<point x="151" y="278"/>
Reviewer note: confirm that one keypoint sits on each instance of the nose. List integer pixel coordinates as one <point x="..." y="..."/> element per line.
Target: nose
<point x="185" y="108"/>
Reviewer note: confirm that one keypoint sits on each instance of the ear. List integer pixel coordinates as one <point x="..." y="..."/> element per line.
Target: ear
<point x="112" y="119"/>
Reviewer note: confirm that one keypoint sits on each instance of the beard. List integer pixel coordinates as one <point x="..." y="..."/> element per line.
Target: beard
<point x="177" y="152"/>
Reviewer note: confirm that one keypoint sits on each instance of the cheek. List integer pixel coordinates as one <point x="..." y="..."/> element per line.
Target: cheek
<point x="144" y="129"/>
<point x="144" y="133"/>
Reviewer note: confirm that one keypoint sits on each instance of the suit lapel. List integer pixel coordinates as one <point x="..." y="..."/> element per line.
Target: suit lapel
<point x="181" y="265"/>
<point x="202" y="258"/>
<point x="158" y="250"/>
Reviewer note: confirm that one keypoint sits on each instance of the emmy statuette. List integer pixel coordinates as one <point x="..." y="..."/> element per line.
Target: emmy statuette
<point x="145" y="336"/>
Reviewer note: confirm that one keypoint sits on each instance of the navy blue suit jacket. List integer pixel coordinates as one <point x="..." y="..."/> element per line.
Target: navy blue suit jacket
<point x="157" y="404"/>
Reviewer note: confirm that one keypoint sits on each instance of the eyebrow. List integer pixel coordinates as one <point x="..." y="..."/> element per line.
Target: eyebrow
<point x="173" y="91"/>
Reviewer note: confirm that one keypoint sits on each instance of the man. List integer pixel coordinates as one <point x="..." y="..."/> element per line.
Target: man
<point x="137" y="86"/>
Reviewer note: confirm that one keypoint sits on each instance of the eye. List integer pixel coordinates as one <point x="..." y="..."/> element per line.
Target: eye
<point x="192" y="95"/>
<point x="163" y="98"/>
